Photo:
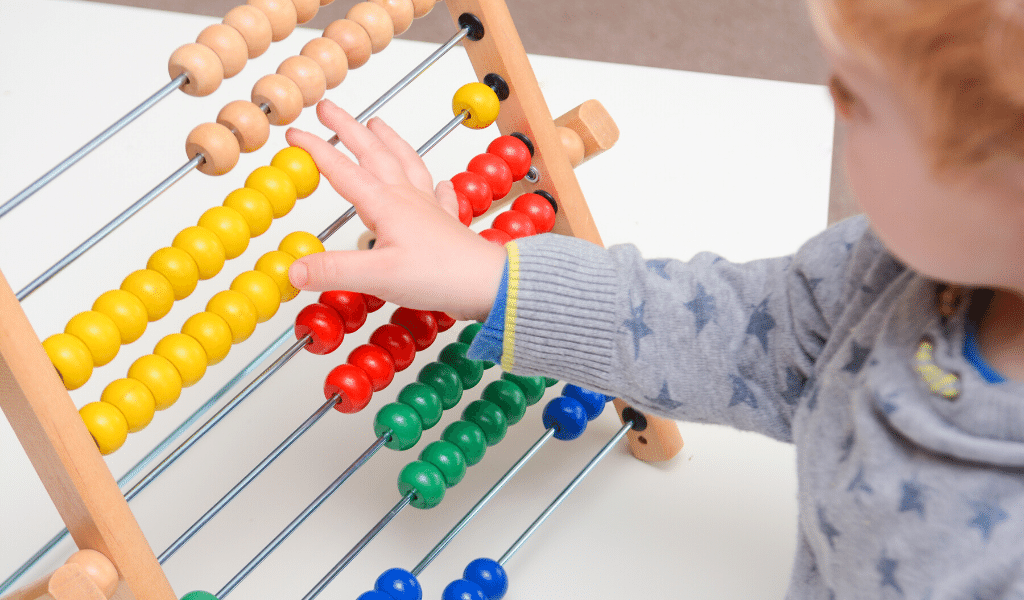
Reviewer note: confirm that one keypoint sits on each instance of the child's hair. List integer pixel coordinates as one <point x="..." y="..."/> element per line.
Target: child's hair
<point x="960" y="61"/>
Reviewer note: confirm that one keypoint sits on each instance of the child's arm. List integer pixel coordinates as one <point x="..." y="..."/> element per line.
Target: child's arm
<point x="423" y="257"/>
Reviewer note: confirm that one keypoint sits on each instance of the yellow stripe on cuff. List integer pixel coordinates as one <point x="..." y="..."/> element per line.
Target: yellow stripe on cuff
<point x="511" y="301"/>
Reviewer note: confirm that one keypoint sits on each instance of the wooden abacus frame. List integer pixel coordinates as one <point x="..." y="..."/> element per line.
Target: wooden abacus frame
<point x="62" y="451"/>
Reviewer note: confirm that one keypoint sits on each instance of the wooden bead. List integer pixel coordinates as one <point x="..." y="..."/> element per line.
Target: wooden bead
<point x="353" y="39"/>
<point x="573" y="144"/>
<point x="153" y="289"/>
<point x="99" y="334"/>
<point x="212" y="333"/>
<point x="376" y="363"/>
<point x="496" y="236"/>
<point x="495" y="170"/>
<point x="401" y="13"/>
<point x="324" y="327"/>
<point x="99" y="569"/>
<point x="261" y="290"/>
<point x="282" y="15"/>
<point x="306" y="74"/>
<point x="205" y="249"/>
<point x="276" y="263"/>
<point x="300" y="167"/>
<point x="352" y="386"/>
<point x="398" y="342"/>
<point x="479" y="101"/>
<point x="305" y="10"/>
<point x="133" y="399"/>
<point x="178" y="267"/>
<point x="160" y="378"/>
<point x="186" y="354"/>
<point x="376" y="21"/>
<point x="71" y="357"/>
<point x="254" y="25"/>
<point x="331" y="58"/>
<point x="201" y="65"/>
<point x="230" y="228"/>
<point x="538" y="209"/>
<point x="515" y="224"/>
<point x="350" y="305"/>
<point x="218" y="146"/>
<point x="106" y="424"/>
<point x="420" y="323"/>
<point x="126" y="311"/>
<point x="476" y="189"/>
<point x="282" y="97"/>
<point x="420" y="8"/>
<point x="254" y="208"/>
<point x="237" y="311"/>
<point x="247" y="122"/>
<point x="301" y="243"/>
<point x="276" y="186"/>
<point x="229" y="46"/>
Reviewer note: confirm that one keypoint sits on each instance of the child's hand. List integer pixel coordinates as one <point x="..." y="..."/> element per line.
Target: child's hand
<point x="423" y="257"/>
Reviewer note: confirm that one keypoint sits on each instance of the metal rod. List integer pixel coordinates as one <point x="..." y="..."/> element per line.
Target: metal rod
<point x="440" y="135"/>
<point x="253" y="474"/>
<point x="565" y="493"/>
<point x="109" y="227"/>
<point x="345" y="560"/>
<point x="365" y="456"/>
<point x="482" y="502"/>
<point x="92" y="145"/>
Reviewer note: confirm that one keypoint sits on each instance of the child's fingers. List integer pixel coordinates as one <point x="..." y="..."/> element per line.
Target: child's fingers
<point x="445" y="195"/>
<point x="364" y="144"/>
<point x="358" y="270"/>
<point x="415" y="169"/>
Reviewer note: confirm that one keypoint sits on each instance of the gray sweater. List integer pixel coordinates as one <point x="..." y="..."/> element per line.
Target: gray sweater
<point x="910" y="464"/>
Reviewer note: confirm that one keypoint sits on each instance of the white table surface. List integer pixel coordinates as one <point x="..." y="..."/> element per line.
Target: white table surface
<point x="739" y="166"/>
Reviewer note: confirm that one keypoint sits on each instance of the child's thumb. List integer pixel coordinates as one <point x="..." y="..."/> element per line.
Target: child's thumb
<point x="334" y="270"/>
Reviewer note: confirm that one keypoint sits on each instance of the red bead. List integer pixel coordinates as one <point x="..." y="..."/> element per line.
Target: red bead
<point x="495" y="170"/>
<point x="496" y="236"/>
<point x="373" y="303"/>
<point x="352" y="386"/>
<point x="323" y="324"/>
<point x="474" y="187"/>
<point x="398" y="342"/>
<point x="420" y="323"/>
<point x="444" y="322"/>
<point x="350" y="305"/>
<point x="538" y="209"/>
<point x="514" y="223"/>
<point x="465" y="209"/>
<point x="377" y="364"/>
<point x="514" y="152"/>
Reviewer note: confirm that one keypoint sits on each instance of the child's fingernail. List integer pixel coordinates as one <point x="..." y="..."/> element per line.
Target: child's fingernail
<point x="298" y="274"/>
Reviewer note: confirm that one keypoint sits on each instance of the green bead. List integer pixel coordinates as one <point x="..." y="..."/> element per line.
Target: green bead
<point x="467" y="335"/>
<point x="402" y="421"/>
<point x="469" y="438"/>
<point x="424" y="400"/>
<point x="550" y="381"/>
<point x="489" y="417"/>
<point x="470" y="371"/>
<point x="509" y="397"/>
<point x="445" y="380"/>
<point x="199" y="596"/>
<point x="448" y="459"/>
<point x="425" y="480"/>
<point x="533" y="387"/>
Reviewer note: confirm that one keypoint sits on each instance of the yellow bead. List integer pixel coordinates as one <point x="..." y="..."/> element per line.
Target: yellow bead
<point x="106" y="424"/>
<point x="160" y="378"/>
<point x="275" y="263"/>
<point x="133" y="399"/>
<point x="301" y="243"/>
<point x="126" y="311"/>
<point x="99" y="333"/>
<point x="480" y="101"/>
<point x="299" y="166"/>
<point x="178" y="267"/>
<point x="230" y="228"/>
<point x="261" y="289"/>
<point x="276" y="186"/>
<point x="237" y="311"/>
<point x="254" y="208"/>
<point x="212" y="332"/>
<point x="186" y="354"/>
<point x="71" y="357"/>
<point x="153" y="289"/>
<point x="204" y="247"/>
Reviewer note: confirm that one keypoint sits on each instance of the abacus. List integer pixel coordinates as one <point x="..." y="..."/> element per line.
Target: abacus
<point x="36" y="401"/>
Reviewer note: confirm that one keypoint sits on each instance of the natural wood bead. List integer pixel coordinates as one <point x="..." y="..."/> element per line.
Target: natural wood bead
<point x="201" y="64"/>
<point x="353" y="39"/>
<point x="308" y="75"/>
<point x="305" y="10"/>
<point x="401" y="13"/>
<point x="281" y="95"/>
<point x="573" y="144"/>
<point x="229" y="46"/>
<point x="282" y="15"/>
<point x="422" y="7"/>
<point x="218" y="146"/>
<point x="99" y="569"/>
<point x="254" y="25"/>
<point x="249" y="124"/>
<point x="376" y="21"/>
<point x="331" y="58"/>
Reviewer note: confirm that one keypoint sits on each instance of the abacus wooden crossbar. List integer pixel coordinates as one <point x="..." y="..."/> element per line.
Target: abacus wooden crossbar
<point x="532" y="161"/>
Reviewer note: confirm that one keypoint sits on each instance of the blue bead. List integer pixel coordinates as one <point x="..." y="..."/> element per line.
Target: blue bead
<point x="567" y="416"/>
<point x="373" y="595"/>
<point x="489" y="575"/>
<point x="460" y="589"/>
<point x="399" y="584"/>
<point x="592" y="401"/>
